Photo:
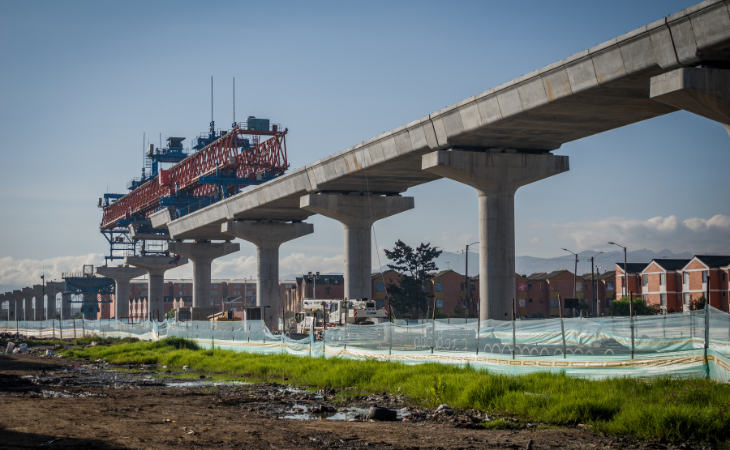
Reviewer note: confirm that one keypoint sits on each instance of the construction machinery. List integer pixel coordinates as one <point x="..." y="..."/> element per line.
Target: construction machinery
<point x="324" y="313"/>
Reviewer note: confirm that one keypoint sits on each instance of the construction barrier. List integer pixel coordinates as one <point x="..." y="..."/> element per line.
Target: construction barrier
<point x="695" y="344"/>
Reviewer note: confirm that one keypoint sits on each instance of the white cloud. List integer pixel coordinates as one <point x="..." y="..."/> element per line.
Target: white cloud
<point x="27" y="272"/>
<point x="536" y="241"/>
<point x="695" y="235"/>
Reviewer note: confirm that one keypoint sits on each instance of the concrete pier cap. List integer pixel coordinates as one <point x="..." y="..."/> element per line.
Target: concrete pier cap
<point x="121" y="275"/>
<point x="704" y="91"/>
<point x="268" y="237"/>
<point x="156" y="266"/>
<point x="202" y="253"/>
<point x="357" y="212"/>
<point x="496" y="175"/>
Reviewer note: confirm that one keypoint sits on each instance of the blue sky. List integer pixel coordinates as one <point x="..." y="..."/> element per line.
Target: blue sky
<point x="81" y="82"/>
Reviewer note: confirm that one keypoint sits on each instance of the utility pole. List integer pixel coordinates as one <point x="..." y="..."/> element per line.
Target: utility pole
<point x="467" y="285"/>
<point x="593" y="287"/>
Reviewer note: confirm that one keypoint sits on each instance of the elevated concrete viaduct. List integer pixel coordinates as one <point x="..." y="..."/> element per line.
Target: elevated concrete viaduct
<point x="599" y="89"/>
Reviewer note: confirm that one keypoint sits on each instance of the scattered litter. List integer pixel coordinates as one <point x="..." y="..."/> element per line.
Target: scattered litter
<point x="377" y="413"/>
<point x="186" y="368"/>
<point x="10" y="348"/>
<point x="49" y="442"/>
<point x="443" y="407"/>
<point x="50" y="352"/>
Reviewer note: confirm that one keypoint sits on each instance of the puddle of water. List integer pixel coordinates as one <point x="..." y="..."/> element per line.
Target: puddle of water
<point x="191" y="383"/>
<point x="303" y="412"/>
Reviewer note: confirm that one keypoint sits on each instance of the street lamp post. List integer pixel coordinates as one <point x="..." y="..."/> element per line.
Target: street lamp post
<point x="313" y="277"/>
<point x="575" y="274"/>
<point x="467" y="286"/>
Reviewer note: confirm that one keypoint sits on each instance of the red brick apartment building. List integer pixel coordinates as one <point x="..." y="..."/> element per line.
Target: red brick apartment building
<point x="604" y="285"/>
<point x="661" y="283"/>
<point x="326" y="287"/>
<point x="633" y="273"/>
<point x="703" y="273"/>
<point x="380" y="281"/>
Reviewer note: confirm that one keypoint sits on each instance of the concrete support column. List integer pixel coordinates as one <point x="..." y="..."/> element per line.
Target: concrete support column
<point x="202" y="254"/>
<point x="496" y="177"/>
<point x="268" y="237"/>
<point x="122" y="275"/>
<point x="52" y="290"/>
<point x="356" y="213"/>
<point x="703" y="91"/>
<point x="5" y="299"/>
<point x="65" y="306"/>
<point x="28" y="296"/>
<point x="19" y="298"/>
<point x="156" y="266"/>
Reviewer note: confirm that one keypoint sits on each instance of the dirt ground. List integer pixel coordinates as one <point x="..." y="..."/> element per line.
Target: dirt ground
<point x="59" y="404"/>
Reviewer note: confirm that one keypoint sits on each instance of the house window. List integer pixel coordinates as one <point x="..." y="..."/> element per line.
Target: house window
<point x="236" y="292"/>
<point x="438" y="286"/>
<point x="540" y="284"/>
<point x="182" y="285"/>
<point x="663" y="299"/>
<point x="723" y="276"/>
<point x="686" y="298"/>
<point x="609" y="286"/>
<point x="645" y="280"/>
<point x="529" y="286"/>
<point x="679" y="278"/>
<point x="705" y="276"/>
<point x="439" y="303"/>
<point x="379" y="286"/>
<point x="237" y="285"/>
<point x="686" y="277"/>
<point x="662" y="279"/>
<point x="213" y="292"/>
<point x="523" y="303"/>
<point x="141" y="286"/>
<point x="215" y="285"/>
<point x="328" y="290"/>
<point x="554" y="303"/>
<point x="578" y="287"/>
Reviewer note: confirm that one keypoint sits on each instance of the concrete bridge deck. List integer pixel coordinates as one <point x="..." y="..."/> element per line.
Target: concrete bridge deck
<point x="596" y="90"/>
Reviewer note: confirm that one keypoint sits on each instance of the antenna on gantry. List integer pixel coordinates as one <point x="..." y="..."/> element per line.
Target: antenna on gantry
<point x="234" y="103"/>
<point x="144" y="141"/>
<point x="212" y="123"/>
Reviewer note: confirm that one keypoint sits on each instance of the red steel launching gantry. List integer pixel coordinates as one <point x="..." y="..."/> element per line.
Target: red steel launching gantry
<point x="236" y="159"/>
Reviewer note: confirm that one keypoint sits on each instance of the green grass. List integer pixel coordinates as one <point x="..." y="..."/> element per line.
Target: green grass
<point x="675" y="409"/>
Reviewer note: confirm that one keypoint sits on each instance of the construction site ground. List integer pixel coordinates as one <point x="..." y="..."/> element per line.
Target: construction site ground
<point x="61" y="403"/>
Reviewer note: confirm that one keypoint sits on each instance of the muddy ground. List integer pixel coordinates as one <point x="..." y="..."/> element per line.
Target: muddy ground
<point x="58" y="403"/>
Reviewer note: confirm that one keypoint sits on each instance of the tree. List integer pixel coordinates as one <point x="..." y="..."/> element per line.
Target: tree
<point x="698" y="304"/>
<point x="620" y="307"/>
<point x="415" y="266"/>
